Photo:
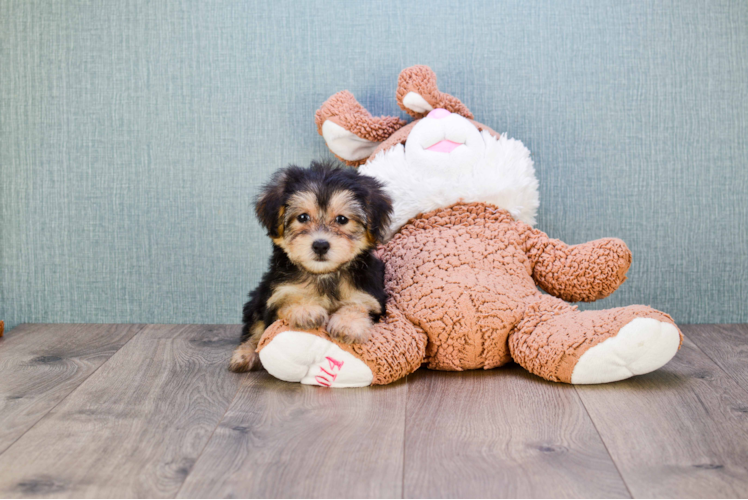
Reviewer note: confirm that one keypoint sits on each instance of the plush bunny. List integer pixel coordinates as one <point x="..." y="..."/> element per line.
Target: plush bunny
<point x="463" y="262"/>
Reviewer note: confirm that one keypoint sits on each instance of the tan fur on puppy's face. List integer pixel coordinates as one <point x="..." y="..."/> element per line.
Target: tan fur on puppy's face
<point x="306" y="221"/>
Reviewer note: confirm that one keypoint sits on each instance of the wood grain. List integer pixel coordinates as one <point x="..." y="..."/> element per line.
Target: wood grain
<point x="726" y="345"/>
<point x="133" y="411"/>
<point x="681" y="431"/>
<point x="134" y="428"/>
<point x="41" y="364"/>
<point x="287" y="440"/>
<point x="502" y="433"/>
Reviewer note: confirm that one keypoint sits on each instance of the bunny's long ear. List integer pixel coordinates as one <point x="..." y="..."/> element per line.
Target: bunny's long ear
<point x="350" y="131"/>
<point x="417" y="94"/>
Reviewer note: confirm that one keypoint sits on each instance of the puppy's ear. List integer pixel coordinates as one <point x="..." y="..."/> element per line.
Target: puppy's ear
<point x="378" y="208"/>
<point x="270" y="203"/>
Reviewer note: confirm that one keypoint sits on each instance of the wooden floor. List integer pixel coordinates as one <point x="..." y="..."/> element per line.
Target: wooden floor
<point x="151" y="411"/>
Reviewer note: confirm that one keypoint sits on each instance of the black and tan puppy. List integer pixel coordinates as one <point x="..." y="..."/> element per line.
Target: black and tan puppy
<point x="324" y="222"/>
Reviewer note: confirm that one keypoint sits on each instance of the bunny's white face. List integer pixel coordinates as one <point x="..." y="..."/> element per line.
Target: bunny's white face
<point x="444" y="142"/>
<point x="447" y="160"/>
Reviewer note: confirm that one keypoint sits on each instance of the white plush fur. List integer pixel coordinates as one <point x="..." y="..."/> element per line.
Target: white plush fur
<point x="483" y="169"/>
<point x="643" y="345"/>
<point x="302" y="357"/>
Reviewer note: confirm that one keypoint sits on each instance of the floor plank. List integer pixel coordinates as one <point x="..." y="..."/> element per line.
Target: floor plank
<point x="133" y="411"/>
<point x="502" y="433"/>
<point x="41" y="364"/>
<point x="287" y="440"/>
<point x="136" y="426"/>
<point x="681" y="431"/>
<point x="726" y="345"/>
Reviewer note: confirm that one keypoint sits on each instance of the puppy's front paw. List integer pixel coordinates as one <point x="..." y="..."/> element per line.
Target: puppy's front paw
<point x="306" y="317"/>
<point x="350" y="326"/>
<point x="245" y="359"/>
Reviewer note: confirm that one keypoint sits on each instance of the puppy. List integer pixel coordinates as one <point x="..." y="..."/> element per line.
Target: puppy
<point x="324" y="222"/>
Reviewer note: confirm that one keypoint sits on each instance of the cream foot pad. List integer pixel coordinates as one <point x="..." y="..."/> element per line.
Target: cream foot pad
<point x="643" y="345"/>
<point x="302" y="357"/>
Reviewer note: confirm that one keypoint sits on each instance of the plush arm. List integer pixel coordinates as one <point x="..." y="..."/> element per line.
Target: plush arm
<point x="585" y="272"/>
<point x="395" y="349"/>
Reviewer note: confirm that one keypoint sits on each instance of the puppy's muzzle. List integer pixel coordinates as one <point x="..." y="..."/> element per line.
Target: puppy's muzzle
<point x="320" y="247"/>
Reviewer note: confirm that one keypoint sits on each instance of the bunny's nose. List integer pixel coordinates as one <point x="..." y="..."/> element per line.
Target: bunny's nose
<point x="438" y="113"/>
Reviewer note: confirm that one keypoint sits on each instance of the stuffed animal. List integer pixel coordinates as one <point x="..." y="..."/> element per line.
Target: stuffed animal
<point x="463" y="262"/>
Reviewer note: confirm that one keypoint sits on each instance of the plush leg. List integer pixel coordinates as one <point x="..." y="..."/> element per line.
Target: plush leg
<point x="558" y="342"/>
<point x="395" y="349"/>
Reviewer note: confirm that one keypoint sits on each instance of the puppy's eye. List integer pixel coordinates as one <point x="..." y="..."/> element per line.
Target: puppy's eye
<point x="341" y="219"/>
<point x="303" y="218"/>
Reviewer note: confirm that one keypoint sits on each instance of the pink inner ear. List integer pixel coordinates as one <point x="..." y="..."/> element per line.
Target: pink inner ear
<point x="438" y="113"/>
<point x="444" y="146"/>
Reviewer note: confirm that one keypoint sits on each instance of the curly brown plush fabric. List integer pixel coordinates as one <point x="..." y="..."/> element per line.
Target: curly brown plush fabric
<point x="343" y="109"/>
<point x="422" y="81"/>
<point x="553" y="335"/>
<point x="579" y="273"/>
<point x="398" y="137"/>
<point x="467" y="274"/>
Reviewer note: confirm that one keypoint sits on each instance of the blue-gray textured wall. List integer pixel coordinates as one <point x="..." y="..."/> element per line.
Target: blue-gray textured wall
<point x="133" y="135"/>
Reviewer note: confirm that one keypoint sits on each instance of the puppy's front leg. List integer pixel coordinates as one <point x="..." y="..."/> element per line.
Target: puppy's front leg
<point x="350" y="324"/>
<point x="304" y="316"/>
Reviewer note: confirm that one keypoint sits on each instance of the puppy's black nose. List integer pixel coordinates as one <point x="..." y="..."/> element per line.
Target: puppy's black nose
<point x="321" y="247"/>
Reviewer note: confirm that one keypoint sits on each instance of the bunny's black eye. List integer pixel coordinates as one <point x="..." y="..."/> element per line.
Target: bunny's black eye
<point x="341" y="219"/>
<point x="303" y="218"/>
